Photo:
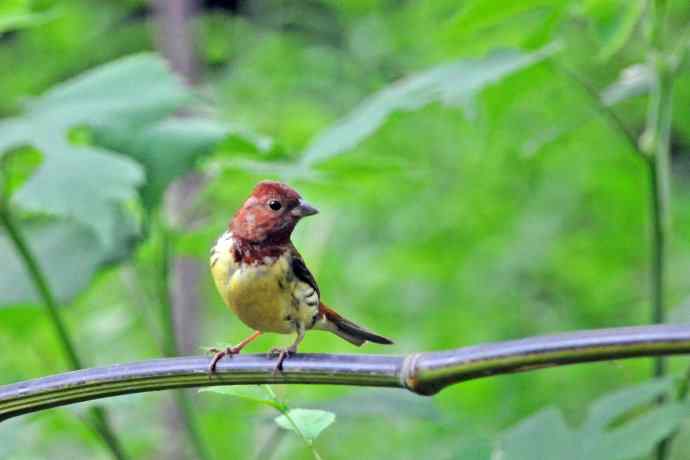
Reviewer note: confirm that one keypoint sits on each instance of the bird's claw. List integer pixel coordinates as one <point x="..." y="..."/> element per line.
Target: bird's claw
<point x="218" y="355"/>
<point x="282" y="354"/>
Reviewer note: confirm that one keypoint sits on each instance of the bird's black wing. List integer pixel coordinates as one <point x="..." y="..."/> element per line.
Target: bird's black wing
<point x="302" y="272"/>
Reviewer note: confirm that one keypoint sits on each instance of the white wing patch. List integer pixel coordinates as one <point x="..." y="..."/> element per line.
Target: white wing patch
<point x="223" y="246"/>
<point x="222" y="261"/>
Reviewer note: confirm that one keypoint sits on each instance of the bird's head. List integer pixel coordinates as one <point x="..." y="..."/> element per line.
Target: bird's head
<point x="270" y="213"/>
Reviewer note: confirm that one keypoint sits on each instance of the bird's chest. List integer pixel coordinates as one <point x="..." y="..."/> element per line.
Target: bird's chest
<point x="266" y="295"/>
<point x="261" y="296"/>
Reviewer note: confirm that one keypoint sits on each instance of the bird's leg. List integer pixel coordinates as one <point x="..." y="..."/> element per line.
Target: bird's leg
<point x="283" y="353"/>
<point x="229" y="351"/>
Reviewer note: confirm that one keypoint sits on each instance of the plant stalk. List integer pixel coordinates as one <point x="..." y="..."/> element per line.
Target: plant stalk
<point x="285" y="410"/>
<point x="308" y="443"/>
<point x="98" y="416"/>
<point x="659" y="208"/>
<point x="655" y="144"/>
<point x="41" y="285"/>
<point x="423" y="373"/>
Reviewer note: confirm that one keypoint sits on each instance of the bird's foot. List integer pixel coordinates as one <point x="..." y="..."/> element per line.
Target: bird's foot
<point x="219" y="354"/>
<point x="282" y="354"/>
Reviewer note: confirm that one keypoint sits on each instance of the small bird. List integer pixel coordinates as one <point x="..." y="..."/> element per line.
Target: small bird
<point x="264" y="280"/>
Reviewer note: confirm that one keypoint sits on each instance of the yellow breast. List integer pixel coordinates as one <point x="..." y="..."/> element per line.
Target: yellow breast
<point x="259" y="294"/>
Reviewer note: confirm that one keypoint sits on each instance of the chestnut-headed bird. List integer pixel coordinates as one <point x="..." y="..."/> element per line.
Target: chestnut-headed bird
<point x="264" y="280"/>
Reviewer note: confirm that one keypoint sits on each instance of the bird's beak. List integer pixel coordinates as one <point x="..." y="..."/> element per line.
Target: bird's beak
<point x="304" y="209"/>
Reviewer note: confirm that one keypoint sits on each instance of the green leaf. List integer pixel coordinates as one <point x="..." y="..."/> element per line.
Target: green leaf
<point x="637" y="437"/>
<point x="480" y="14"/>
<point x="633" y="81"/>
<point x="17" y="14"/>
<point x="68" y="254"/>
<point x="607" y="409"/>
<point x="135" y="89"/>
<point x="82" y="183"/>
<point x="85" y="182"/>
<point x="455" y="83"/>
<point x="544" y="436"/>
<point x="637" y="430"/>
<point x="14" y="133"/>
<point x="251" y="393"/>
<point x="170" y="148"/>
<point x="309" y="422"/>
<point x="16" y="166"/>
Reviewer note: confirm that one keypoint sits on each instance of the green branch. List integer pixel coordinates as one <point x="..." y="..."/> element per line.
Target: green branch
<point x="98" y="415"/>
<point x="41" y="284"/>
<point x="655" y="144"/>
<point x="421" y="373"/>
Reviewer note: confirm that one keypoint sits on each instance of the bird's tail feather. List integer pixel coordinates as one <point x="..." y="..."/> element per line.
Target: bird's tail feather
<point x="348" y="330"/>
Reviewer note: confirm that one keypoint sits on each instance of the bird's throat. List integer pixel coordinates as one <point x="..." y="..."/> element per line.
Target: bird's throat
<point x="250" y="252"/>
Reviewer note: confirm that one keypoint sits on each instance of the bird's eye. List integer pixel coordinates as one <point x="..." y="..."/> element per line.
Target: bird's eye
<point x="275" y="205"/>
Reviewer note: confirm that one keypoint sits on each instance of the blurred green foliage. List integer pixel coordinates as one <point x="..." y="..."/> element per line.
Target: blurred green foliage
<point x="517" y="209"/>
<point x="602" y="435"/>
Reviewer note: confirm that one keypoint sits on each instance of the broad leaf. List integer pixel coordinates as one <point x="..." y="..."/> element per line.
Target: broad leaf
<point x="634" y="434"/>
<point x="608" y="408"/>
<point x="479" y="14"/>
<point x="455" y="83"/>
<point x="16" y="166"/>
<point x="170" y="148"/>
<point x="639" y="436"/>
<point x="136" y="89"/>
<point x="14" y="133"/>
<point x="632" y="82"/>
<point x="544" y="435"/>
<point x="67" y="253"/>
<point x="18" y="14"/>
<point x="85" y="182"/>
<point x="310" y="422"/>
<point x="81" y="183"/>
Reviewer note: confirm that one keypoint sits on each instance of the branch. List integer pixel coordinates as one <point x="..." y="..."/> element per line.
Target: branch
<point x="422" y="373"/>
<point x="656" y="144"/>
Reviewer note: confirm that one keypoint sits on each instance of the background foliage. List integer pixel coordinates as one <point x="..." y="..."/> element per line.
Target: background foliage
<point x="472" y="188"/>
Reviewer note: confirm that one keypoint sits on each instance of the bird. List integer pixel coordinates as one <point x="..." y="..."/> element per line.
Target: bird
<point x="264" y="280"/>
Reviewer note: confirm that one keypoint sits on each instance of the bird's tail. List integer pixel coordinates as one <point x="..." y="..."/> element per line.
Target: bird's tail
<point x="346" y="329"/>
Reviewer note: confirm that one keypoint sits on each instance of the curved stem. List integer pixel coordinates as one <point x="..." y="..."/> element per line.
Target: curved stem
<point x="422" y="373"/>
<point x="285" y="410"/>
<point x="309" y="444"/>
<point x="655" y="143"/>
<point x="41" y="284"/>
<point x="169" y="342"/>
<point x="657" y="136"/>
<point x="98" y="415"/>
<point x="658" y="207"/>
